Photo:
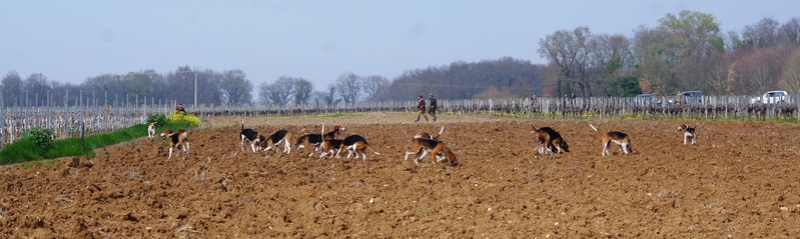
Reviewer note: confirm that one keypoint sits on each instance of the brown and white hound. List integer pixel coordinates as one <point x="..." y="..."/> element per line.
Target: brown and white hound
<point x="438" y="150"/>
<point x="426" y="135"/>
<point x="549" y="141"/>
<point x="619" y="138"/>
<point x="355" y="144"/>
<point x="330" y="147"/>
<point x="309" y="139"/>
<point x="274" y="140"/>
<point x="178" y="139"/>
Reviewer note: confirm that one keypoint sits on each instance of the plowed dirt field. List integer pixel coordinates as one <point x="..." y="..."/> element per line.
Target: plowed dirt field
<point x="740" y="181"/>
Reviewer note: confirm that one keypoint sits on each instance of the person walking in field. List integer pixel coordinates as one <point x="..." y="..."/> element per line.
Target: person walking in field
<point x="432" y="107"/>
<point x="421" y="108"/>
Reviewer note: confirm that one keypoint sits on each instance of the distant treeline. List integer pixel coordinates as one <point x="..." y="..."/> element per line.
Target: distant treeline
<point x="688" y="51"/>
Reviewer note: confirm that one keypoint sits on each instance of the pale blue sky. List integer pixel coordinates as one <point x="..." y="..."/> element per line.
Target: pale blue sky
<point x="68" y="41"/>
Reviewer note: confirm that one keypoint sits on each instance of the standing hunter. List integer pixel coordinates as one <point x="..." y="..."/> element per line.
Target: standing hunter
<point x="432" y="107"/>
<point x="421" y="108"/>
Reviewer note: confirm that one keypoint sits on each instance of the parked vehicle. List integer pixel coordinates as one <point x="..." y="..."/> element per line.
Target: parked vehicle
<point x="647" y="99"/>
<point x="689" y="97"/>
<point x="692" y="97"/>
<point x="771" y="97"/>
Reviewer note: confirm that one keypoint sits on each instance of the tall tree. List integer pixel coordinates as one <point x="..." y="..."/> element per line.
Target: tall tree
<point x="760" y="69"/>
<point x="610" y="61"/>
<point x="668" y="55"/>
<point x="791" y="74"/>
<point x="375" y="87"/>
<point x="790" y="32"/>
<point x="35" y="88"/>
<point x="236" y="88"/>
<point x="302" y="91"/>
<point x="569" y="51"/>
<point x="765" y="33"/>
<point x="12" y="89"/>
<point x="349" y="87"/>
<point x="279" y="93"/>
<point x="330" y="97"/>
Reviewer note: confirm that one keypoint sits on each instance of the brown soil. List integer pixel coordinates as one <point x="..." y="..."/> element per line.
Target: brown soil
<point x="740" y="181"/>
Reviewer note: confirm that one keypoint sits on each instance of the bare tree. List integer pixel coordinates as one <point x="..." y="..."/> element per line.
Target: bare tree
<point x="280" y="92"/>
<point x="760" y="69"/>
<point x="317" y="99"/>
<point x="762" y="34"/>
<point x="610" y="59"/>
<point x="12" y="89"/>
<point x="790" y="32"/>
<point x="330" y="97"/>
<point x="263" y="93"/>
<point x="375" y="87"/>
<point x="348" y="86"/>
<point x="722" y="75"/>
<point x="301" y="91"/>
<point x="236" y="87"/>
<point x="791" y="74"/>
<point x="36" y="87"/>
<point x="569" y="51"/>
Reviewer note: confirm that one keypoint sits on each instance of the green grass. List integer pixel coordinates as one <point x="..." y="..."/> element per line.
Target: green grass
<point x="20" y="151"/>
<point x="32" y="164"/>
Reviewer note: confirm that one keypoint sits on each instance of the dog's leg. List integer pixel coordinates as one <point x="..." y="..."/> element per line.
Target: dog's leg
<point x="628" y="148"/>
<point x="364" y="153"/>
<point x="624" y="146"/>
<point x="287" y="147"/>
<point x="170" y="153"/>
<point x="338" y="150"/>
<point x="351" y="149"/>
<point x="407" y="154"/>
<point x="434" y="152"/>
<point x="539" y="145"/>
<point x="421" y="155"/>
<point x="417" y="156"/>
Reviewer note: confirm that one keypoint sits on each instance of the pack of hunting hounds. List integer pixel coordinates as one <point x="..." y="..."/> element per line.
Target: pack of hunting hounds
<point x="331" y="144"/>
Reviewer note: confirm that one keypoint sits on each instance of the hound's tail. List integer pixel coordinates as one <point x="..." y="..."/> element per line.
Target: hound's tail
<point x="440" y="132"/>
<point x="373" y="150"/>
<point x="534" y="129"/>
<point x="595" y="128"/>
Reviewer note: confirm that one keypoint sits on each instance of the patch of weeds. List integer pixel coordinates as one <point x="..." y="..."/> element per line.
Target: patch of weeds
<point x="424" y="212"/>
<point x="202" y="174"/>
<point x="38" y="163"/>
<point x="542" y="172"/>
